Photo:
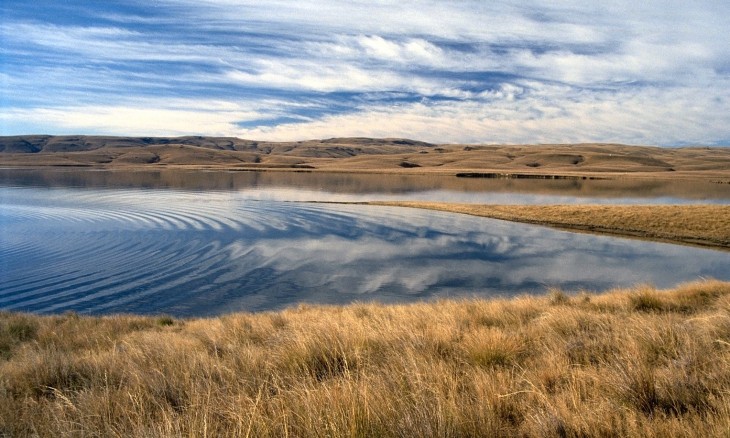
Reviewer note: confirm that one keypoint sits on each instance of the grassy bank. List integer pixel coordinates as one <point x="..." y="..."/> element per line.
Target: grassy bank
<point x="637" y="362"/>
<point x="706" y="225"/>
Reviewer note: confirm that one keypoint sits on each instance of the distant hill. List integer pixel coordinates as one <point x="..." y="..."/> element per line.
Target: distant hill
<point x="359" y="154"/>
<point x="83" y="143"/>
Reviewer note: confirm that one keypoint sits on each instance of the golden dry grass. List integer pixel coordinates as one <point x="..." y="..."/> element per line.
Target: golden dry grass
<point x="707" y="225"/>
<point x="632" y="363"/>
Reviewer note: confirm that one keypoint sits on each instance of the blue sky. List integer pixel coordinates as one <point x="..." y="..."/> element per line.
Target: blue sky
<point x="654" y="72"/>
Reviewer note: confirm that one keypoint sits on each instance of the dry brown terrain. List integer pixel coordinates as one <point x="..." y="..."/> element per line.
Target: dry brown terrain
<point x="630" y="363"/>
<point x="706" y="225"/>
<point x="367" y="155"/>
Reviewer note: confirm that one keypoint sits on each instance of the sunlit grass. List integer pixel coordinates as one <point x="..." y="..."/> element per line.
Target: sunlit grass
<point x="639" y="362"/>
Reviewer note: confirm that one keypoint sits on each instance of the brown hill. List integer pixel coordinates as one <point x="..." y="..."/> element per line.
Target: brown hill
<point x="365" y="155"/>
<point x="83" y="143"/>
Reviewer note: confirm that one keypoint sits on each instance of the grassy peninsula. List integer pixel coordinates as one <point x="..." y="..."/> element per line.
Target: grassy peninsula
<point x="634" y="363"/>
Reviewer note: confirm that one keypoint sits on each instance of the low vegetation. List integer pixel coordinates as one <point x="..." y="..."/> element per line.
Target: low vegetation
<point x="639" y="362"/>
<point x="707" y="225"/>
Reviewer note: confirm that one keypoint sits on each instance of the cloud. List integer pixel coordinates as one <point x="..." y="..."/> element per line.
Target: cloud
<point x="218" y="120"/>
<point x="409" y="51"/>
<point x="103" y="44"/>
<point x="466" y="71"/>
<point x="514" y="113"/>
<point x="313" y="76"/>
<point x="554" y="114"/>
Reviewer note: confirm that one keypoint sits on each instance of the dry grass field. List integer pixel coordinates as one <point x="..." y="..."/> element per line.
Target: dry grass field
<point x="633" y="363"/>
<point x="706" y="225"/>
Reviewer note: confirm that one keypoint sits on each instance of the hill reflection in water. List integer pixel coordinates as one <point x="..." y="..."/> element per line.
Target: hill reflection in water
<point x="357" y="187"/>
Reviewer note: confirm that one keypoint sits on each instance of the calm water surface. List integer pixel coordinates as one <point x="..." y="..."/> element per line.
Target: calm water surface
<point x="205" y="251"/>
<point x="353" y="187"/>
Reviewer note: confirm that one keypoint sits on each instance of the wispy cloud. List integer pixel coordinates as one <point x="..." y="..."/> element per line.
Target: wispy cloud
<point x="441" y="71"/>
<point x="544" y="114"/>
<point x="147" y="117"/>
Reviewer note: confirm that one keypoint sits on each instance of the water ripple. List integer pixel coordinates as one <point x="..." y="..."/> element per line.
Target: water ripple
<point x="188" y="253"/>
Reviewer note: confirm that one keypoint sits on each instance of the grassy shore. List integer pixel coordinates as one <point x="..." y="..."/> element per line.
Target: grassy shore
<point x="634" y="363"/>
<point x="706" y="225"/>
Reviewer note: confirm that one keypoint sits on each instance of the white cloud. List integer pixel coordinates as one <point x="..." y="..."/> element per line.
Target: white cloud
<point x="409" y="51"/>
<point x="648" y="72"/>
<point x="472" y="20"/>
<point x="296" y="74"/>
<point x="105" y="44"/>
<point x="546" y="115"/>
<point x="211" y="119"/>
<point x="528" y="112"/>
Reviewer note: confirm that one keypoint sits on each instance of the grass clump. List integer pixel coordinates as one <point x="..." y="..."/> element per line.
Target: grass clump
<point x="635" y="363"/>
<point x="14" y="330"/>
<point x="648" y="300"/>
<point x="165" y="320"/>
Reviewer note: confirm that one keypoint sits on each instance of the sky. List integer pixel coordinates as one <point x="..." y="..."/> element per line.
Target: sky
<point x="462" y="71"/>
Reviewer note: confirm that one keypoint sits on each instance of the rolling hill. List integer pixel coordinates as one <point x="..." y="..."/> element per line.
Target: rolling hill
<point x="363" y="155"/>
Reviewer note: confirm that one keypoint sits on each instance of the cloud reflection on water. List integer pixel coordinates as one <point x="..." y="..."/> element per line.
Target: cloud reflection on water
<point x="189" y="253"/>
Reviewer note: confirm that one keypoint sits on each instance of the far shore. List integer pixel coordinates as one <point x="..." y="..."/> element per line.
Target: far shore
<point x="716" y="176"/>
<point x="369" y="155"/>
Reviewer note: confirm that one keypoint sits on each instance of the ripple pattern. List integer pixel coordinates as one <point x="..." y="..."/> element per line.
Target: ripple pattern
<point x="192" y="253"/>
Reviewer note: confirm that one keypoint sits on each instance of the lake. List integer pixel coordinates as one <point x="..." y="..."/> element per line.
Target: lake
<point x="208" y="243"/>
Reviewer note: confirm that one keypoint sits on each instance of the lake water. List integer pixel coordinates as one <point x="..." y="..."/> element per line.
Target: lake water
<point x="110" y="242"/>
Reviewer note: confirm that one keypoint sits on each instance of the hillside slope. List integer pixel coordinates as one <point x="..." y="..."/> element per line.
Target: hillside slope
<point x="364" y="155"/>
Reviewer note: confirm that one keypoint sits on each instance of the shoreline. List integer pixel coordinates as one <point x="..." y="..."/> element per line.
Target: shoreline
<point x="715" y="177"/>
